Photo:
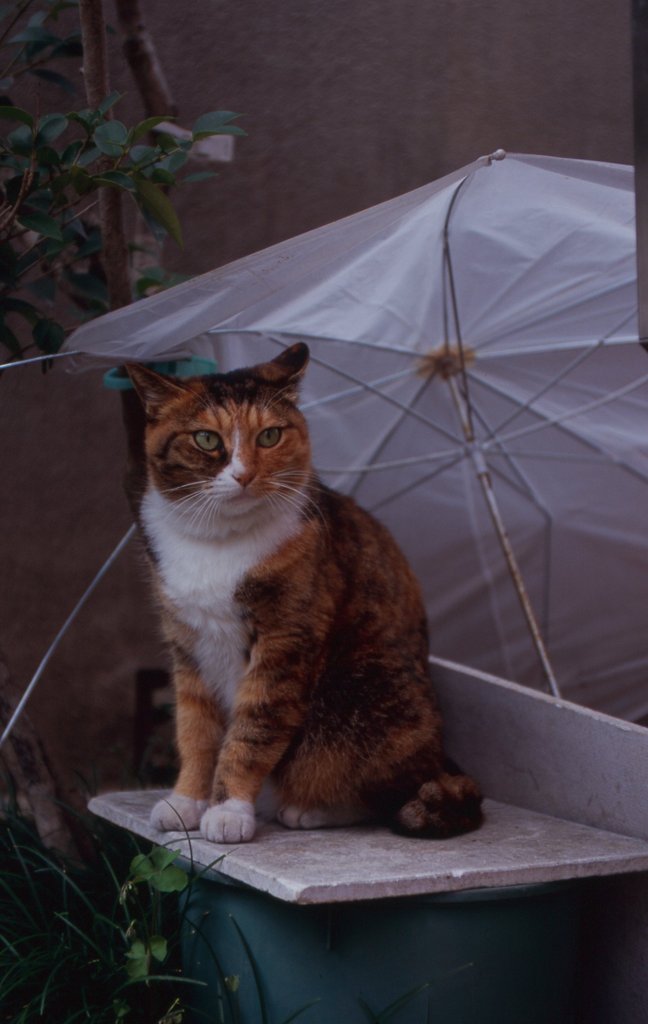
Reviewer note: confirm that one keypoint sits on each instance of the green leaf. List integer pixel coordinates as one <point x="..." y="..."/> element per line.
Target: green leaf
<point x="86" y="118"/>
<point x="20" y="140"/>
<point x="88" y="157"/>
<point x="48" y="335"/>
<point x="10" y="113"/>
<point x="47" y="156"/>
<point x="81" y="180"/>
<point x="109" y="102"/>
<point x="25" y="309"/>
<point x="43" y="224"/>
<point x="174" y="162"/>
<point x="161" y="858"/>
<point x="54" y="78"/>
<point x="217" y="122"/>
<point x="115" y="179"/>
<point x="71" y="152"/>
<point x="138" y="957"/>
<point x="154" y="201"/>
<point x="88" y="287"/>
<point x="199" y="176"/>
<point x="158" y="946"/>
<point x="110" y="137"/>
<point x="144" y="127"/>
<point x="162" y="176"/>
<point x="172" y="879"/>
<point x="50" y="127"/>
<point x="143" y="154"/>
<point x="9" y="339"/>
<point x="35" y="34"/>
<point x="141" y="866"/>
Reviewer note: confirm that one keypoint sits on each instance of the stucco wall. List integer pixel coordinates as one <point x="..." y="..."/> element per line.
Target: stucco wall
<point x="346" y="103"/>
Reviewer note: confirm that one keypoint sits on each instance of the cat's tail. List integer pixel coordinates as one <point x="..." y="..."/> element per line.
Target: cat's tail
<point x="446" y="806"/>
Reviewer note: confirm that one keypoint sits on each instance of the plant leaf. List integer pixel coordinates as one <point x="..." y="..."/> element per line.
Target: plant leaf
<point x="110" y="137"/>
<point x="199" y="176"/>
<point x="50" y="127"/>
<point x="35" y="34"/>
<point x="158" y="946"/>
<point x="155" y="202"/>
<point x="217" y="122"/>
<point x="109" y="102"/>
<point x="54" y="78"/>
<point x="10" y="113"/>
<point x="48" y="335"/>
<point x="144" y="127"/>
<point x="43" y="224"/>
<point x="115" y="179"/>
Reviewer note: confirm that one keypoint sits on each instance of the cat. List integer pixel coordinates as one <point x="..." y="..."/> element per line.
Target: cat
<point x="295" y="625"/>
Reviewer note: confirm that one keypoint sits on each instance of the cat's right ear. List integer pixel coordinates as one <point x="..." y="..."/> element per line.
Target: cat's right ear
<point x="154" y="389"/>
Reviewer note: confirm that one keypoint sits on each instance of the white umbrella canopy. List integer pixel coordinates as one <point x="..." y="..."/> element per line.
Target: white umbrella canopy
<point x="520" y="270"/>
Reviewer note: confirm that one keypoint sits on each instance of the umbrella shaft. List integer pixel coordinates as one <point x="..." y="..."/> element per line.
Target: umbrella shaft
<point x="486" y="484"/>
<point x="487" y="488"/>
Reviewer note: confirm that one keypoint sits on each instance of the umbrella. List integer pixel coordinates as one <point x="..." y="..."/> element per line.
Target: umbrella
<point x="477" y="383"/>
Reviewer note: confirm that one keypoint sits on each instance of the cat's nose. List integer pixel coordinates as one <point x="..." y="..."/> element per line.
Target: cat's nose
<point x="244" y="476"/>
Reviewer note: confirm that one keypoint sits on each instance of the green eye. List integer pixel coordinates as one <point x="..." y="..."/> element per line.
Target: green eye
<point x="269" y="437"/>
<point x="208" y="440"/>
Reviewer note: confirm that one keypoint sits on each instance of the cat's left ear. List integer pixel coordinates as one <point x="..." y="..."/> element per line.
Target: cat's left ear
<point x="154" y="389"/>
<point x="287" y="370"/>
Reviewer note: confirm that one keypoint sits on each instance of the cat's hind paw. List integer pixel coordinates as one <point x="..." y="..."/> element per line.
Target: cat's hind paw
<point x="292" y="816"/>
<point x="230" y="822"/>
<point x="177" y="813"/>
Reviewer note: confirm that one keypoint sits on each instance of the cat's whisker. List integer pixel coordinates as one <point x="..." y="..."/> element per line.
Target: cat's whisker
<point x="195" y="484"/>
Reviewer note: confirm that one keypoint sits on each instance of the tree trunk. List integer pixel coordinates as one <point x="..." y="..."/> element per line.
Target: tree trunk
<point x="29" y="767"/>
<point x="97" y="85"/>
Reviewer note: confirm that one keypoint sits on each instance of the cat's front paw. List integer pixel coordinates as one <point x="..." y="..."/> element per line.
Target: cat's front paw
<point x="230" y="822"/>
<point x="177" y="813"/>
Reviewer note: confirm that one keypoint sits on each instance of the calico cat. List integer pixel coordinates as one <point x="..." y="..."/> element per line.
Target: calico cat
<point x="296" y="627"/>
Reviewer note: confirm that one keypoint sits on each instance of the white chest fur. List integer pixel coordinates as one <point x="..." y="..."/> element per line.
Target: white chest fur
<point x="199" y="576"/>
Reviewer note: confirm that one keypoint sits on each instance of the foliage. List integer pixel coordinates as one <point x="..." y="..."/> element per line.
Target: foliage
<point x="76" y="945"/>
<point x="52" y="167"/>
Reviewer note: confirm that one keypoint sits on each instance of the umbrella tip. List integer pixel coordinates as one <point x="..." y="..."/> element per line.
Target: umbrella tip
<point x="486" y="161"/>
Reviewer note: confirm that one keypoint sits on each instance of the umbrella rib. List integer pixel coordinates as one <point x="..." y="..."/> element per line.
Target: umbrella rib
<point x="384" y="441"/>
<point x="412" y="460"/>
<point x="559" y="423"/>
<point x="417" y="483"/>
<point x="376" y="391"/>
<point x="304" y="336"/>
<point x="355" y="390"/>
<point x="597" y="403"/>
<point x="581" y="358"/>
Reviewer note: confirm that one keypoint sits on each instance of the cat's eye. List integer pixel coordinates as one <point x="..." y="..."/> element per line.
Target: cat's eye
<point x="208" y="440"/>
<point x="269" y="437"/>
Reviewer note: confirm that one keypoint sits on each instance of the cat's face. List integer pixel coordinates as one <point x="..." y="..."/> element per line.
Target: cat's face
<point x="223" y="446"/>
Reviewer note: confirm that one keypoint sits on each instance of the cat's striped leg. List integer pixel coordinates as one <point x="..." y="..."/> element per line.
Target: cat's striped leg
<point x="267" y="716"/>
<point x="199" y="734"/>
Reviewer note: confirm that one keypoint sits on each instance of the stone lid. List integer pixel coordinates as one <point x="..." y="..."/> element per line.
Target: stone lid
<point x="514" y="847"/>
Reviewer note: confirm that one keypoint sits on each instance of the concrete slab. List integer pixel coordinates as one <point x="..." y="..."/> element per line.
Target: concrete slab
<point x="515" y="846"/>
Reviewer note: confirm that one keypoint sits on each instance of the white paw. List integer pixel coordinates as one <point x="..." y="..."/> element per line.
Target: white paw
<point x="177" y="813"/>
<point x="318" y="817"/>
<point x="229" y="822"/>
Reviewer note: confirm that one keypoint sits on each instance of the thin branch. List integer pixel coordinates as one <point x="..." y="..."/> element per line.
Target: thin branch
<point x="140" y="52"/>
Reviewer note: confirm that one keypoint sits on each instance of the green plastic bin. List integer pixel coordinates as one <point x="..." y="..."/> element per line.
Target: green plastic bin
<point x="488" y="956"/>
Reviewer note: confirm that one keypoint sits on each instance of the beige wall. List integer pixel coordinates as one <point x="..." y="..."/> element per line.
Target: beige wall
<point x="347" y="103"/>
